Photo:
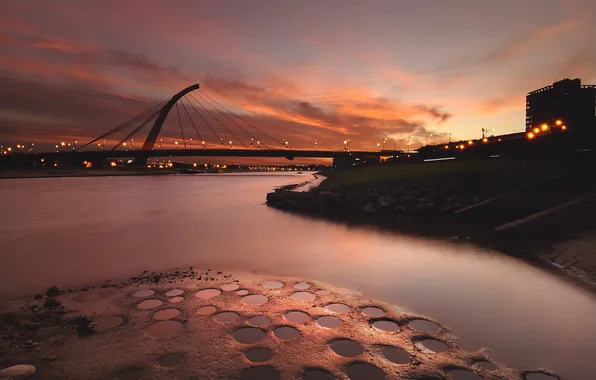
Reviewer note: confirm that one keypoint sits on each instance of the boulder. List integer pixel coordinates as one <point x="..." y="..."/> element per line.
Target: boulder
<point x="369" y="208"/>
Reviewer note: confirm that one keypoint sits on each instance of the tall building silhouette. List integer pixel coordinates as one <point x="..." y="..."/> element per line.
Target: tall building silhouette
<point x="565" y="103"/>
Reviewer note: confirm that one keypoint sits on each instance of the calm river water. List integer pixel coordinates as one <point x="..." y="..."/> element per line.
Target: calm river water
<point x="75" y="231"/>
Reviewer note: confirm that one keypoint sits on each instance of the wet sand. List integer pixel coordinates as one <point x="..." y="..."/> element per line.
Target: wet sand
<point x="231" y="326"/>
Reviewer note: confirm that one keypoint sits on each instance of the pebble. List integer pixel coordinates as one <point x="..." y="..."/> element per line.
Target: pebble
<point x="18" y="371"/>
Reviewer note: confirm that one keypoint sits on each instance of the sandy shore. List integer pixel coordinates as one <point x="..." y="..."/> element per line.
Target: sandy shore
<point x="205" y="324"/>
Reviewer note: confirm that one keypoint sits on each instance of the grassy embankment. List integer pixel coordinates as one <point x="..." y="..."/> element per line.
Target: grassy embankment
<point x="498" y="174"/>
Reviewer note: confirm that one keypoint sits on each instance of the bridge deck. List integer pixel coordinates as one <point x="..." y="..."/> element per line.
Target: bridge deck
<point x="288" y="153"/>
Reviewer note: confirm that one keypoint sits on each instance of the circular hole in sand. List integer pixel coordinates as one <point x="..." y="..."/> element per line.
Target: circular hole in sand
<point x="254" y="299"/>
<point x="206" y="310"/>
<point x="108" y="322"/>
<point x="205" y="294"/>
<point x="226" y="316"/>
<point x="463" y="374"/>
<point x="176" y="299"/>
<point x="164" y="329"/>
<point x="230" y="287"/>
<point x="273" y="284"/>
<point x="371" y="311"/>
<point x="338" y="308"/>
<point x="322" y="292"/>
<point x="130" y="373"/>
<point x="242" y="292"/>
<point x="149" y="304"/>
<point x="304" y="296"/>
<point x="424" y="326"/>
<point x="260" y="373"/>
<point x="285" y="332"/>
<point x="174" y="293"/>
<point x="143" y="293"/>
<point x="486" y="365"/>
<point x="170" y="360"/>
<point x="434" y="345"/>
<point x="396" y="355"/>
<point x="385" y="325"/>
<point x="539" y="376"/>
<point x="317" y="374"/>
<point x="259" y="320"/>
<point x="259" y="354"/>
<point x="302" y="286"/>
<point x="248" y="335"/>
<point x="329" y="322"/>
<point x="364" y="371"/>
<point x="296" y="316"/>
<point x="346" y="348"/>
<point x="166" y="314"/>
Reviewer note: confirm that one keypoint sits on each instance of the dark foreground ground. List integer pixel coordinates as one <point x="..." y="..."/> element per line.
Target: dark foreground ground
<point x="537" y="208"/>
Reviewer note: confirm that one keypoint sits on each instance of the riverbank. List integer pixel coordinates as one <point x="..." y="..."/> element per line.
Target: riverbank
<point x="59" y="173"/>
<point x="513" y="206"/>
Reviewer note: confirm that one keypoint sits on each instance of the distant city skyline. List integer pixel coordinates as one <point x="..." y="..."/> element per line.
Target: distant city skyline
<point x="304" y="71"/>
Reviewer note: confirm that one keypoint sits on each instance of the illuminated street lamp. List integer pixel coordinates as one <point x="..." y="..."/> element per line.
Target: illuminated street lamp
<point x="530" y="135"/>
<point x="176" y="143"/>
<point x="564" y="127"/>
<point x="559" y="123"/>
<point x="378" y="145"/>
<point x="544" y="127"/>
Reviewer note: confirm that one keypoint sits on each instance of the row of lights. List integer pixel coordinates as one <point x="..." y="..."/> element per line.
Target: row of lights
<point x="471" y="142"/>
<point x="544" y="128"/>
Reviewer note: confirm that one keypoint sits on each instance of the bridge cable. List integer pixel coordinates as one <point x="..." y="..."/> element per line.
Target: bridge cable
<point x="220" y="123"/>
<point x="136" y="130"/>
<point x="123" y="125"/>
<point x="180" y="123"/>
<point x="191" y="121"/>
<point x="208" y="125"/>
<point x="247" y="132"/>
<point x="272" y="138"/>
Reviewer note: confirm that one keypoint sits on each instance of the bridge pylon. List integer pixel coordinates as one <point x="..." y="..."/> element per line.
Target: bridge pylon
<point x="163" y="113"/>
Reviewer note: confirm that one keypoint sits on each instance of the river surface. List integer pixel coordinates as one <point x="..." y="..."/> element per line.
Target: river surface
<point x="75" y="231"/>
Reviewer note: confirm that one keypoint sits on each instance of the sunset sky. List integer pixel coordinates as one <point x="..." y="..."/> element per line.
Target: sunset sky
<point x="300" y="70"/>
